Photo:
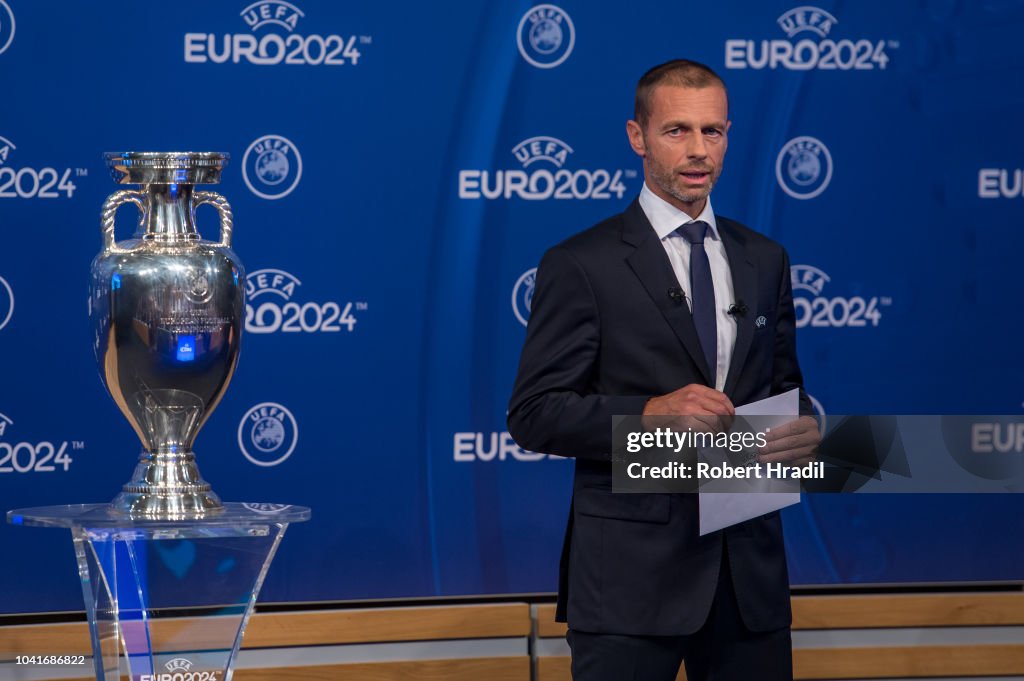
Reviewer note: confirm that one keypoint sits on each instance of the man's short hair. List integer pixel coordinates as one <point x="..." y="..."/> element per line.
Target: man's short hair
<point x="679" y="72"/>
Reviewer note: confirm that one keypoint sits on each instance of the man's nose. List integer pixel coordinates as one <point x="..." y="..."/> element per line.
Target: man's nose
<point x="697" y="149"/>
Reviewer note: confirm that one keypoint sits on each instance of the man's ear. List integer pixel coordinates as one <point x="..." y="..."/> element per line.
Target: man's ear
<point x="636" y="138"/>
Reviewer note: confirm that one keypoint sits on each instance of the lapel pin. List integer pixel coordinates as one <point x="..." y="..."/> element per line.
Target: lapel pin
<point x="760" y="322"/>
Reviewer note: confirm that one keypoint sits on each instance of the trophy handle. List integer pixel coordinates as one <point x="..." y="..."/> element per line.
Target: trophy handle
<point x="223" y="208"/>
<point x="110" y="206"/>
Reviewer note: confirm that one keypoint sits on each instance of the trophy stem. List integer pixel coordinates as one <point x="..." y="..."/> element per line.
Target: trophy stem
<point x="170" y="213"/>
<point x="167" y="485"/>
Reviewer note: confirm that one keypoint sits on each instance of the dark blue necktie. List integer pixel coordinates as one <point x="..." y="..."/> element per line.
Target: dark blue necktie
<point x="702" y="293"/>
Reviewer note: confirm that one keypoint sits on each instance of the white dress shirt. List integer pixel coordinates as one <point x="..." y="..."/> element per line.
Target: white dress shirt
<point x="666" y="219"/>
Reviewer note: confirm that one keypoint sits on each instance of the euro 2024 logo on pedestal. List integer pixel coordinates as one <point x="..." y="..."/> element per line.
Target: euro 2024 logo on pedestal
<point x="804" y="167"/>
<point x="545" y="36"/>
<point x="267" y="509"/>
<point x="272" y="167"/>
<point x="180" y="669"/>
<point x="267" y="434"/>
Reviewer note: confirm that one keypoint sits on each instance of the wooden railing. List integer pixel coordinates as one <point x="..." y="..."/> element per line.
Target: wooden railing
<point x="337" y="627"/>
<point x="843" y="619"/>
<point x="875" y="612"/>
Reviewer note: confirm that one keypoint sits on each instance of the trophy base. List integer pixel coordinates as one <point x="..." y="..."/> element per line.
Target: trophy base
<point x="174" y="506"/>
<point x="167" y="486"/>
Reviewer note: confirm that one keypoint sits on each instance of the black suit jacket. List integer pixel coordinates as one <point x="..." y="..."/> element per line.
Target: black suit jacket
<point x="604" y="337"/>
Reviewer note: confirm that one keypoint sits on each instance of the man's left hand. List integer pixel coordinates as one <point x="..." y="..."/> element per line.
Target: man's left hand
<point x="794" y="443"/>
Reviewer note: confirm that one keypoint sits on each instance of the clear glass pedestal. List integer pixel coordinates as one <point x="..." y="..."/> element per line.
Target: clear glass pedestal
<point x="168" y="597"/>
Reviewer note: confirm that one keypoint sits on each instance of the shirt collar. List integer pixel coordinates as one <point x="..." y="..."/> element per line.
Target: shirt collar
<point x="666" y="218"/>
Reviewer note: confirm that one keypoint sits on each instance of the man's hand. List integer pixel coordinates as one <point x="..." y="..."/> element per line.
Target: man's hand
<point x="703" y="407"/>
<point x="794" y="443"/>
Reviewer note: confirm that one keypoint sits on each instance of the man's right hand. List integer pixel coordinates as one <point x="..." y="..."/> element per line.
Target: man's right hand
<point x="698" y="402"/>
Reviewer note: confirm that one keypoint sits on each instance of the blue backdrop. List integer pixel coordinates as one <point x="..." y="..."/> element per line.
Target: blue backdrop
<point x="397" y="171"/>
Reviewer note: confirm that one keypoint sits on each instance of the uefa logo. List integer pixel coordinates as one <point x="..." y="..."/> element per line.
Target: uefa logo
<point x="6" y="302"/>
<point x="6" y="146"/>
<point x="522" y="295"/>
<point x="267" y="509"/>
<point x="811" y="19"/>
<point x="808" y="278"/>
<point x="197" y="286"/>
<point x="267" y="12"/>
<point x="6" y="26"/>
<point x="272" y="167"/>
<point x="819" y="414"/>
<point x="180" y="669"/>
<point x="545" y="36"/>
<point x="267" y="434"/>
<point x="804" y="167"/>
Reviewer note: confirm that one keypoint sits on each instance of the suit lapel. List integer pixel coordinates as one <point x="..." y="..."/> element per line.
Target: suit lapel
<point x="651" y="265"/>
<point x="744" y="284"/>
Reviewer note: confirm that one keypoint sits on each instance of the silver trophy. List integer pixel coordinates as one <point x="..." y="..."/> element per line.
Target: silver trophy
<point x="166" y="308"/>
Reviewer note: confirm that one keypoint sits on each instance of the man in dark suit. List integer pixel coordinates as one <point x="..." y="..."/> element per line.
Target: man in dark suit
<point x="665" y="309"/>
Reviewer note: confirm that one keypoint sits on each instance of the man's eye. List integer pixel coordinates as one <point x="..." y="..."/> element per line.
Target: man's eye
<point x="713" y="132"/>
<point x="675" y="132"/>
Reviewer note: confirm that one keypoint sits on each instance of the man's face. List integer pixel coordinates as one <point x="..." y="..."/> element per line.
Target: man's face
<point x="683" y="144"/>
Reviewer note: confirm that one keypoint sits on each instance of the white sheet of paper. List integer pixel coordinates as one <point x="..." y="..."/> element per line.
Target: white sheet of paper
<point x="722" y="509"/>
